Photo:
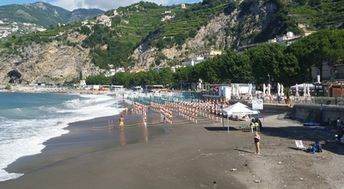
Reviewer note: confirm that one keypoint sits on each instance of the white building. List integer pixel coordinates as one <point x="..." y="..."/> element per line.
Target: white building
<point x="113" y="72"/>
<point x="82" y="83"/>
<point x="105" y="20"/>
<point x="183" y="6"/>
<point x="194" y="62"/>
<point x="85" y="22"/>
<point x="215" y="52"/>
<point x="174" y="68"/>
<point x="167" y="18"/>
<point x="286" y="39"/>
<point x="115" y="13"/>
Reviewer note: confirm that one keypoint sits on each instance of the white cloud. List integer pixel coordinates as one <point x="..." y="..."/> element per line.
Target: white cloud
<point x="109" y="4"/>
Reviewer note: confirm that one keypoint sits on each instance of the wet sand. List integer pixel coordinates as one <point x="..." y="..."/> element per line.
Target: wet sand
<point x="182" y="155"/>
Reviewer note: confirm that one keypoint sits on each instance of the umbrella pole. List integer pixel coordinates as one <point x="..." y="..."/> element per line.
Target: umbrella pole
<point x="228" y="126"/>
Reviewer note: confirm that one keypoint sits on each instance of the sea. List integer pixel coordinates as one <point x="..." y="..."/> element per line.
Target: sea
<point x="27" y="120"/>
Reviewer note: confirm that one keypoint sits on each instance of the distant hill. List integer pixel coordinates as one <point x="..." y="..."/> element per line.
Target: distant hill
<point x="81" y="14"/>
<point x="44" y="14"/>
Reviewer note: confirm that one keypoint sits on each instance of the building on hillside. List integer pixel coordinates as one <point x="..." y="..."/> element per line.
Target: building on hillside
<point x="115" y="13"/>
<point x="82" y="83"/>
<point x="104" y="47"/>
<point x="84" y="23"/>
<point x="183" y="6"/>
<point x="215" y="52"/>
<point x="174" y="68"/>
<point x="113" y="71"/>
<point x="286" y="39"/>
<point x="125" y="22"/>
<point x="136" y="70"/>
<point x="194" y="62"/>
<point x="167" y="18"/>
<point x="105" y="20"/>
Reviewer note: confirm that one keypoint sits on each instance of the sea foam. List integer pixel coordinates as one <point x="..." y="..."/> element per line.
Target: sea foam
<point x="25" y="136"/>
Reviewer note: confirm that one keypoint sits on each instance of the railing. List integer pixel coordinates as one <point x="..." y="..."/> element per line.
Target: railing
<point x="335" y="101"/>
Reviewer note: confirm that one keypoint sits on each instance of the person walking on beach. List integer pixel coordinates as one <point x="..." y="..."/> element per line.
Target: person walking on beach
<point x="338" y="123"/>
<point x="121" y="121"/>
<point x="257" y="142"/>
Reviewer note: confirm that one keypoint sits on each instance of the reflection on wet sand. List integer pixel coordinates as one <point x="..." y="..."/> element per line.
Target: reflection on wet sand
<point x="145" y="134"/>
<point x="122" y="139"/>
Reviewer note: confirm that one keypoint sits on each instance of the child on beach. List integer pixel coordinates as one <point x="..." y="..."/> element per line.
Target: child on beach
<point x="256" y="142"/>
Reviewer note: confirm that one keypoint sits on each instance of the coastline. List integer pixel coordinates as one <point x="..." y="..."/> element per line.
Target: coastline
<point x="69" y="108"/>
<point x="83" y="137"/>
<point x="182" y="155"/>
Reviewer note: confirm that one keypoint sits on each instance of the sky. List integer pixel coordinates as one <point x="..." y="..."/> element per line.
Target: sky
<point x="101" y="4"/>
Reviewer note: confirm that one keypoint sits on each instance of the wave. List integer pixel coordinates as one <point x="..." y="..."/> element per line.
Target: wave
<point x="24" y="137"/>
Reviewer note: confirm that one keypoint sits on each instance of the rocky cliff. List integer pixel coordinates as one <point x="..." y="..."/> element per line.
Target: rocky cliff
<point x="147" y="35"/>
<point x="46" y="63"/>
<point x="225" y="31"/>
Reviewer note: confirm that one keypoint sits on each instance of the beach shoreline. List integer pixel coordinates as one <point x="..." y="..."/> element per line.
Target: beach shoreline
<point x="44" y="121"/>
<point x="187" y="155"/>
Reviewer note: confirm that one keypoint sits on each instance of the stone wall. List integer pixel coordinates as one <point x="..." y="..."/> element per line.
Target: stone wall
<point x="318" y="113"/>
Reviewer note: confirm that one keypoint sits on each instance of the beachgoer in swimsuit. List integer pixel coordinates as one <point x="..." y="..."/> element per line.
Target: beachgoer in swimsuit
<point x="121" y="121"/>
<point x="256" y="142"/>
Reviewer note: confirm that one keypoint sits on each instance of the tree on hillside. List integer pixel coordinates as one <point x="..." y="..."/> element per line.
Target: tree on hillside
<point x="323" y="46"/>
<point x="272" y="61"/>
<point x="265" y="60"/>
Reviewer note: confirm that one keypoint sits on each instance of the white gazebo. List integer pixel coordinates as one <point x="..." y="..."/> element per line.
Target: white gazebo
<point x="239" y="109"/>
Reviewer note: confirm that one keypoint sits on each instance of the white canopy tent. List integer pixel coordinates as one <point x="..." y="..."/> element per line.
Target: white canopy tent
<point x="239" y="109"/>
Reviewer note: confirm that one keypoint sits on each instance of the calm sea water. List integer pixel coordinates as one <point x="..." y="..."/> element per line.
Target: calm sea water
<point x="28" y="120"/>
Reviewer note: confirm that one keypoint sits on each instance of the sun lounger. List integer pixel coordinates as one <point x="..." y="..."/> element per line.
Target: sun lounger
<point x="299" y="145"/>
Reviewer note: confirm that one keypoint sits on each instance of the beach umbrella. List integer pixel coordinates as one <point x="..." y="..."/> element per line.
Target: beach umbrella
<point x="304" y="89"/>
<point x="297" y="90"/>
<point x="282" y="90"/>
<point x="309" y="90"/>
<point x="238" y="90"/>
<point x="264" y="89"/>
<point x="233" y="90"/>
<point x="250" y="89"/>
<point x="269" y="89"/>
<point x="278" y="89"/>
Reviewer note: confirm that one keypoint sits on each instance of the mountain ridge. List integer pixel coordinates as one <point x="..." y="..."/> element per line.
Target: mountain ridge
<point x="44" y="14"/>
<point x="147" y="35"/>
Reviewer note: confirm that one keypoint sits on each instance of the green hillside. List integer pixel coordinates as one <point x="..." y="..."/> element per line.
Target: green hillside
<point x="141" y="25"/>
<point x="43" y="14"/>
<point x="318" y="14"/>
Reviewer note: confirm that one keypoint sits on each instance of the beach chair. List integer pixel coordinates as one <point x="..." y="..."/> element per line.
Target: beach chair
<point x="299" y="145"/>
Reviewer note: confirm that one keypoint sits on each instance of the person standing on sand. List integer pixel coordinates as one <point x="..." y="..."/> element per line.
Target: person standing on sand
<point x="338" y="123"/>
<point x="257" y="142"/>
<point x="121" y="121"/>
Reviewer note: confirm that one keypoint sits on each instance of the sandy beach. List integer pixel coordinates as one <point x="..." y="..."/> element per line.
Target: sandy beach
<point x="182" y="155"/>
